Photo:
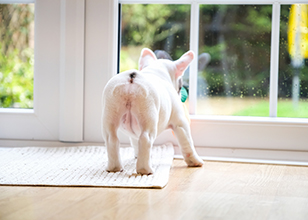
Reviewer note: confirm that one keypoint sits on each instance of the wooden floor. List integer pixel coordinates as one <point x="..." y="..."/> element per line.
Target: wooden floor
<point x="216" y="191"/>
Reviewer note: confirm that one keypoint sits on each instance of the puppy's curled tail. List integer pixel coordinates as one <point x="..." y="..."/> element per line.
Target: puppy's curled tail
<point x="132" y="77"/>
<point x="131" y="84"/>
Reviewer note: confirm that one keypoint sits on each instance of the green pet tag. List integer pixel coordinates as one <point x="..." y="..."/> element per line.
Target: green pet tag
<point x="184" y="94"/>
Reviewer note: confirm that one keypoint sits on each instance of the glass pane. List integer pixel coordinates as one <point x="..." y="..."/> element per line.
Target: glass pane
<point x="16" y="55"/>
<point x="293" y="63"/>
<point x="162" y="28"/>
<point x="234" y="60"/>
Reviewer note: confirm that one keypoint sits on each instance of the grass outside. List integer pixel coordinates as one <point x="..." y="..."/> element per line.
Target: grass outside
<point x="284" y="109"/>
<point x="251" y="107"/>
<point x="260" y="109"/>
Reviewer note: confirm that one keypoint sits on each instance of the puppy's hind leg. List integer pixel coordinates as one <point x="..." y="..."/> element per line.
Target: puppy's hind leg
<point x="113" y="146"/>
<point x="145" y="144"/>
<point x="134" y="144"/>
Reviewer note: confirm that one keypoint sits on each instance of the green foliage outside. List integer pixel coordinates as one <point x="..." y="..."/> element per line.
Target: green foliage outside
<point x="285" y="107"/>
<point x="16" y="55"/>
<point x="16" y="79"/>
<point x="150" y="24"/>
<point x="238" y="39"/>
<point x="156" y="26"/>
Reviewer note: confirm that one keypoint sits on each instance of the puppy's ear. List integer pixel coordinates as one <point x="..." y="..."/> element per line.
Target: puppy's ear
<point x="183" y="62"/>
<point x="147" y="56"/>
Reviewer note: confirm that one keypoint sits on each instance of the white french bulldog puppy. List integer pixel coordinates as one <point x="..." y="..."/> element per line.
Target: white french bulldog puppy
<point x="143" y="104"/>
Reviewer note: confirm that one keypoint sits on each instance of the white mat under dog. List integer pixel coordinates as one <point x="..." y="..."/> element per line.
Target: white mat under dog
<point x="80" y="166"/>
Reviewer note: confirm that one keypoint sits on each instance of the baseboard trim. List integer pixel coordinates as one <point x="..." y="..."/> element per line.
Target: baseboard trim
<point x="264" y="156"/>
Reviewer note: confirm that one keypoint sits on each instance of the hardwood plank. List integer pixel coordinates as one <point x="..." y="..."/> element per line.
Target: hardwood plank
<point x="98" y="200"/>
<point x="218" y="190"/>
<point x="41" y="203"/>
<point x="10" y="191"/>
<point x="20" y="197"/>
<point x="285" y="208"/>
<point x="294" y="183"/>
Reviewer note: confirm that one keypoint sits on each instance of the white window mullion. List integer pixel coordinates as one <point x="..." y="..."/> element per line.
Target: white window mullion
<point x="274" y="59"/>
<point x="72" y="70"/>
<point x="100" y="60"/>
<point x="194" y="46"/>
<point x="41" y="122"/>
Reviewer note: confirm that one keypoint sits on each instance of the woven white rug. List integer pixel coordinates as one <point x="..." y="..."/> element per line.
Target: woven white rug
<point x="80" y="166"/>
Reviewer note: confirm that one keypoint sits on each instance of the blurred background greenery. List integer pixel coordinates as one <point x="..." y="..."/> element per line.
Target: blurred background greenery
<point x="16" y="55"/>
<point x="238" y="40"/>
<point x="156" y="26"/>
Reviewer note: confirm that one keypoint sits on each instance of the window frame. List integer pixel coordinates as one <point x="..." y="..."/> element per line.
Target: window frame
<point x="57" y="113"/>
<point x="259" y="139"/>
<point x="82" y="59"/>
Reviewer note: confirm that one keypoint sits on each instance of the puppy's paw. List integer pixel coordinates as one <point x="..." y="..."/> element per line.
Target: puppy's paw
<point x="144" y="171"/>
<point x="113" y="170"/>
<point x="193" y="160"/>
<point x="117" y="168"/>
